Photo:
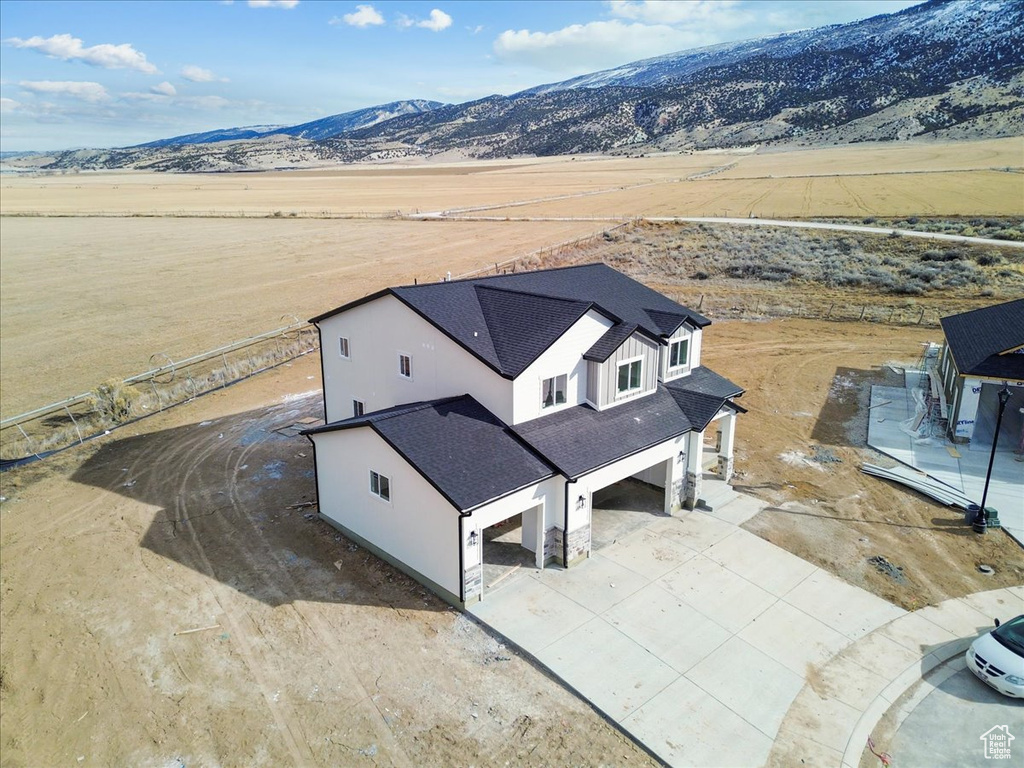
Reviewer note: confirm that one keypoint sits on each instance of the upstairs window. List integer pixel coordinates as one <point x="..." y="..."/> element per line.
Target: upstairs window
<point x="404" y="365"/>
<point x="358" y="408"/>
<point x="630" y="378"/>
<point x="343" y="347"/>
<point x="552" y="391"/>
<point x="678" y="352"/>
<point x="380" y="486"/>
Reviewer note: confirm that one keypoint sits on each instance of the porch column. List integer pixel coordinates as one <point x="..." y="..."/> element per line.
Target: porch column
<point x="675" y="470"/>
<point x="694" y="470"/>
<point x="725" y="456"/>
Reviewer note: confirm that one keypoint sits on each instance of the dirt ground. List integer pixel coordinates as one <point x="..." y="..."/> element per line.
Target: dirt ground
<point x="808" y="384"/>
<point x="310" y="650"/>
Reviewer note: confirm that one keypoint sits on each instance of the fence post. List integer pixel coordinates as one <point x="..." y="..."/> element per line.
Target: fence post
<point x="72" y="417"/>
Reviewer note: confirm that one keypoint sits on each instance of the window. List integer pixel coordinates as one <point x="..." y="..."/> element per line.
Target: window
<point x="358" y="408"/>
<point x="343" y="346"/>
<point x="380" y="486"/>
<point x="552" y="391"/>
<point x="629" y="375"/>
<point x="404" y="366"/>
<point x="677" y="353"/>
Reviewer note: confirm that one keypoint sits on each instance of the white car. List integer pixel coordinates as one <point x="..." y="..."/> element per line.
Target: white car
<point x="997" y="657"/>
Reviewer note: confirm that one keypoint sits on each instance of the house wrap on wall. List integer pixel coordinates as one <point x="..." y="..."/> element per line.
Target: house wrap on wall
<point x="983" y="351"/>
<point x="451" y="407"/>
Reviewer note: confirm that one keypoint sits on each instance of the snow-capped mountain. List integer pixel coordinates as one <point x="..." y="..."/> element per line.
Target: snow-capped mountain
<point x="948" y="69"/>
<point x="323" y="128"/>
<point x="968" y="29"/>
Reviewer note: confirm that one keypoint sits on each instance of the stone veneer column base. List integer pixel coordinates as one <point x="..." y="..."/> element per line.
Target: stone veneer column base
<point x="579" y="544"/>
<point x="693" y="490"/>
<point x="725" y="467"/>
<point x="552" y="545"/>
<point x="473" y="580"/>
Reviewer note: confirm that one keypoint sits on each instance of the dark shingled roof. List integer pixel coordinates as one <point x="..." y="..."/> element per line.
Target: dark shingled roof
<point x="605" y="346"/>
<point x="507" y="321"/>
<point x="977" y="339"/>
<point x="458" y="446"/>
<point x="580" y="439"/>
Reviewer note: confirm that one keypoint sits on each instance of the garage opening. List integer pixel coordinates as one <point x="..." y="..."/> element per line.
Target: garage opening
<point x="1011" y="431"/>
<point x="509" y="549"/>
<point x="624" y="507"/>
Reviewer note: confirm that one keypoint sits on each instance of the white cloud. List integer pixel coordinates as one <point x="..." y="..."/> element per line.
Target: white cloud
<point x="199" y="75"/>
<point x="8" y="105"/>
<point x="438" y="20"/>
<point x="671" y="11"/>
<point x="362" y="16"/>
<point x="581" y="48"/>
<point x="84" y="90"/>
<point x="286" y="4"/>
<point x="68" y="48"/>
<point x="476" y="30"/>
<point x="163" y="89"/>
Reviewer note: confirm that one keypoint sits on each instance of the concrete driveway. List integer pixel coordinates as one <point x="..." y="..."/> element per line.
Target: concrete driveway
<point x="691" y="633"/>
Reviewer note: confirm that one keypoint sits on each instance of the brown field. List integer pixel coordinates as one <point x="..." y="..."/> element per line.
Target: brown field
<point x="127" y="289"/>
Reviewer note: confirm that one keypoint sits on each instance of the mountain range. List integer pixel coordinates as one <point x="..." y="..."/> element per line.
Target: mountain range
<point x="942" y="69"/>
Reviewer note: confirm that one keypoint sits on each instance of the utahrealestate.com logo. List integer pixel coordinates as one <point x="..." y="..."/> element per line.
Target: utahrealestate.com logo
<point x="997" y="742"/>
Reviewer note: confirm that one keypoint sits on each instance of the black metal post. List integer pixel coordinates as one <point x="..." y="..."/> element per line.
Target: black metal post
<point x="981" y="521"/>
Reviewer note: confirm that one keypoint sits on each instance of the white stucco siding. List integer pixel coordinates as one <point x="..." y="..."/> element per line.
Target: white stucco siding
<point x="418" y="527"/>
<point x="548" y="493"/>
<point x="565" y="356"/>
<point x="378" y="332"/>
<point x="632" y="465"/>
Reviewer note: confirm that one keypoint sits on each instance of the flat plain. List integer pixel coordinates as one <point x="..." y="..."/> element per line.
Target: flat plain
<point x="136" y="265"/>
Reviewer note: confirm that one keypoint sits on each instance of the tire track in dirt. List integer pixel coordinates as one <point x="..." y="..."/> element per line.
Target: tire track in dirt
<point x="857" y="199"/>
<point x="234" y="524"/>
<point x="240" y="626"/>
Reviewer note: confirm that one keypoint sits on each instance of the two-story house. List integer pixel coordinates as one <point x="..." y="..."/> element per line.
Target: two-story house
<point x="454" y="406"/>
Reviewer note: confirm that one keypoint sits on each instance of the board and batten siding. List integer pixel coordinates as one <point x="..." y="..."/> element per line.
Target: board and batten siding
<point x="418" y="528"/>
<point x="692" y="353"/>
<point x="564" y="356"/>
<point x="377" y="332"/>
<point x="606" y="374"/>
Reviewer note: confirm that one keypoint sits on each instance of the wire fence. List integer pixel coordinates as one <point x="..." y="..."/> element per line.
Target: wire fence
<point x="54" y="427"/>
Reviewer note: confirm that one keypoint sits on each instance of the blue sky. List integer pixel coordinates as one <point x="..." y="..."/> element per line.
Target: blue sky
<point x="103" y="74"/>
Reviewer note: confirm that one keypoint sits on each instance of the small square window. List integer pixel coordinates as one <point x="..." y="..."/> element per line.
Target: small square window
<point x="677" y="353"/>
<point x="552" y="391"/>
<point x="358" y="408"/>
<point x="630" y="376"/>
<point x="380" y="486"/>
<point x="343" y="347"/>
<point x="404" y="366"/>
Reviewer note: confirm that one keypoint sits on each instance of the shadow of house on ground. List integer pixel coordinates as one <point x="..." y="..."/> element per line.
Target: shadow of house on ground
<point x="237" y="504"/>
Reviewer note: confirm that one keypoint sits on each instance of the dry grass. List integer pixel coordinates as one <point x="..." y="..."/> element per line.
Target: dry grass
<point x="83" y="300"/>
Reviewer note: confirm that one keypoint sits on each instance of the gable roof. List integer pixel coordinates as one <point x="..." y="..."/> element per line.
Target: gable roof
<point x="980" y="339"/>
<point x="581" y="439"/>
<point x="457" y="445"/>
<point x="507" y="321"/>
